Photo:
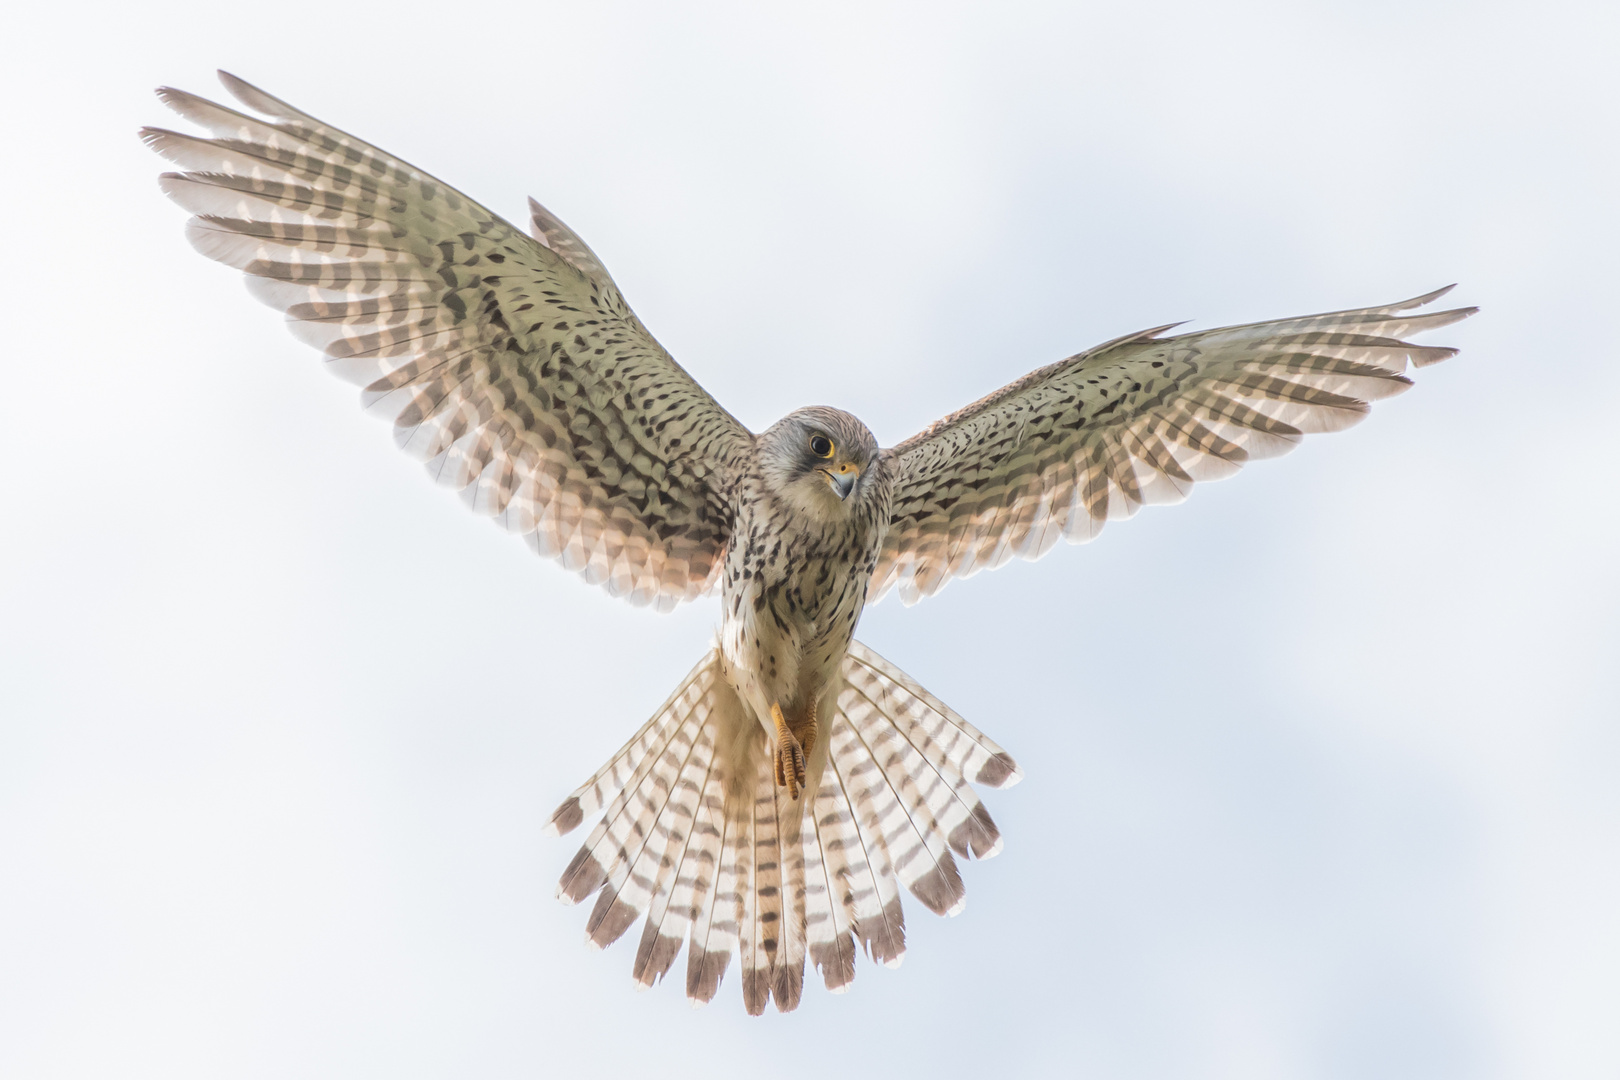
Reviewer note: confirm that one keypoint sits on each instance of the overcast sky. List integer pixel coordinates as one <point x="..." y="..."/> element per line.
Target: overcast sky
<point x="280" y="722"/>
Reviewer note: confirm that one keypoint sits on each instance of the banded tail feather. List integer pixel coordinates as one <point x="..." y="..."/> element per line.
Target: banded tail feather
<point x="696" y="836"/>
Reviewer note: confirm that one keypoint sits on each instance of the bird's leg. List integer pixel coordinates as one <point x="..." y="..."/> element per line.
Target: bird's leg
<point x="807" y="733"/>
<point x="790" y="755"/>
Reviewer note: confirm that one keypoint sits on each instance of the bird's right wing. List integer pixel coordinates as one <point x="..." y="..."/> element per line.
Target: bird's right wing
<point x="1134" y="421"/>
<point x="510" y="364"/>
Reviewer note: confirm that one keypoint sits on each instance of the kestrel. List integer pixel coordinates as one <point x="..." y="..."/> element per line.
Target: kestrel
<point x="773" y="807"/>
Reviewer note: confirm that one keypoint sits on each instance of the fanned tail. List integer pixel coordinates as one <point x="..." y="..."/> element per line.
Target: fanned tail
<point x="696" y="835"/>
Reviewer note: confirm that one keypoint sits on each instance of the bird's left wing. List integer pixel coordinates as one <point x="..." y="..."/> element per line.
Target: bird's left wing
<point x="510" y="364"/>
<point x="1134" y="421"/>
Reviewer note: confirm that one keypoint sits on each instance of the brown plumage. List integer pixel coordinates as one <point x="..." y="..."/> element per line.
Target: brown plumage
<point x="773" y="807"/>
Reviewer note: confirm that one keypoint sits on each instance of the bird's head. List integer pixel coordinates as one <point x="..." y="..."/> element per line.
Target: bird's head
<point x="818" y="458"/>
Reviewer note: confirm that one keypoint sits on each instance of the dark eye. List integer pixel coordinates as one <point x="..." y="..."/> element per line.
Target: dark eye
<point x="821" y="446"/>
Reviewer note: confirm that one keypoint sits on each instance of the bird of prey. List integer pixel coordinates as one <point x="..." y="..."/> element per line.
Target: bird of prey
<point x="776" y="803"/>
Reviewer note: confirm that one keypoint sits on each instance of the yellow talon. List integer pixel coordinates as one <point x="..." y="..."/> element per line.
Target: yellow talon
<point x="790" y="756"/>
<point x="807" y="737"/>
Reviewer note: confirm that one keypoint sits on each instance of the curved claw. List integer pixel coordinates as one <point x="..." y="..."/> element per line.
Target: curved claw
<point x="790" y="756"/>
<point x="790" y="768"/>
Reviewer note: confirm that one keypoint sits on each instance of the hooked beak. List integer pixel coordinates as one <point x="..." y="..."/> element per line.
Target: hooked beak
<point x="843" y="479"/>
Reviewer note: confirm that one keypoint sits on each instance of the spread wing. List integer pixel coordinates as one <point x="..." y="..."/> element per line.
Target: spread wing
<point x="511" y="365"/>
<point x="1135" y="421"/>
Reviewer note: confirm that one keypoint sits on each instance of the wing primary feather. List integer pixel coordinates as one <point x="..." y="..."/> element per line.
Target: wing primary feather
<point x="1134" y="421"/>
<point x="502" y="354"/>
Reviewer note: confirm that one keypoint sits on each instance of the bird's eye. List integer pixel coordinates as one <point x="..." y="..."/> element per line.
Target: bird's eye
<point x="821" y="446"/>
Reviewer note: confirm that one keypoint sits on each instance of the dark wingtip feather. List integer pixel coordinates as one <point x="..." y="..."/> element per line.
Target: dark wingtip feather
<point x="655" y="956"/>
<point x="836" y="962"/>
<point x="254" y="98"/>
<point x="584" y="876"/>
<point x="704" y="970"/>
<point x="1426" y="298"/>
<point x="884" y="938"/>
<point x="789" y="987"/>
<point x="610" y="918"/>
<point x="977" y="837"/>
<point x="565" y="818"/>
<point x="941" y="890"/>
<point x="178" y="99"/>
<point x="756" y="991"/>
<point x="1000" y="771"/>
<point x="1423" y="356"/>
<point x="1157" y="331"/>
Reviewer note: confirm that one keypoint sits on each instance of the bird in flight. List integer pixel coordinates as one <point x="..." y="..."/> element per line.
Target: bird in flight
<point x="776" y="803"/>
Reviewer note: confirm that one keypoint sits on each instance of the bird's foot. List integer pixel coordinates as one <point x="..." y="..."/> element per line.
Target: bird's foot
<point x="790" y="755"/>
<point x="807" y="734"/>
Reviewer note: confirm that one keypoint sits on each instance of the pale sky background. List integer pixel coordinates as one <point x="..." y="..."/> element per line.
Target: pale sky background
<point x="280" y="722"/>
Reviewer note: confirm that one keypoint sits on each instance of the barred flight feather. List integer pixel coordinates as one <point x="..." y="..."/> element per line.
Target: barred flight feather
<point x="880" y="922"/>
<point x="697" y="837"/>
<point x="509" y="364"/>
<point x="1133" y="422"/>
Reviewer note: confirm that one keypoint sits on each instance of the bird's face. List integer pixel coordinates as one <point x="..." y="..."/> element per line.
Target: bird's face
<point x="818" y="459"/>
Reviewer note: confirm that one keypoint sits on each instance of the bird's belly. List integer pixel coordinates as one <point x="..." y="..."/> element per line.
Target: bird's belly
<point x="782" y="652"/>
<point x="761" y="657"/>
